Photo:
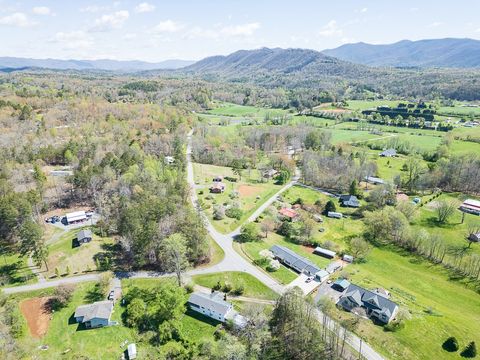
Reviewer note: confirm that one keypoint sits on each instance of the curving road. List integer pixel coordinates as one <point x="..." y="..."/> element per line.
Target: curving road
<point x="231" y="262"/>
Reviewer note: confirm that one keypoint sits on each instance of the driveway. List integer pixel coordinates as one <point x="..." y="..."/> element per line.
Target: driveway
<point x="301" y="282"/>
<point x="326" y="290"/>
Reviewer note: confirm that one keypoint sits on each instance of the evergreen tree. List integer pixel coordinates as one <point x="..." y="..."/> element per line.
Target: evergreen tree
<point x="470" y="351"/>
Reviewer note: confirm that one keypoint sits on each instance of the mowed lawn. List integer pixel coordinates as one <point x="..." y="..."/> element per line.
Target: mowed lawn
<point x="14" y="270"/>
<point x="78" y="259"/>
<point x="252" y="287"/>
<point x="251" y="193"/>
<point x="65" y="341"/>
<point x="440" y="308"/>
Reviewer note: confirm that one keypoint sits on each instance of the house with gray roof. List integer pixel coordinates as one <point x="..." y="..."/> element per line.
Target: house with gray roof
<point x="84" y="236"/>
<point x="349" y="201"/>
<point x="94" y="315"/>
<point x="389" y="153"/>
<point x="212" y="305"/>
<point x="375" y="305"/>
<point x="293" y="260"/>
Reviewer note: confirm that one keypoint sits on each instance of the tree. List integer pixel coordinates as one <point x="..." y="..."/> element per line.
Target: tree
<point x="359" y="248"/>
<point x="174" y="250"/>
<point x="470" y="351"/>
<point x="382" y="195"/>
<point x="267" y="226"/>
<point x="330" y="207"/>
<point x="135" y="311"/>
<point x="237" y="168"/>
<point x="249" y="232"/>
<point x="283" y="177"/>
<point x="473" y="234"/>
<point x="451" y="344"/>
<point x="353" y="190"/>
<point x="414" y="169"/>
<point x="445" y="210"/>
<point x="62" y="295"/>
<point x="408" y="209"/>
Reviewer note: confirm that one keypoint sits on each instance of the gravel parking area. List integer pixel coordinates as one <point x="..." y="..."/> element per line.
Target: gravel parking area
<point x="326" y="290"/>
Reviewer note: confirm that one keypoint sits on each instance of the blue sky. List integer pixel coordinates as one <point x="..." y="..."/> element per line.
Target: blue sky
<point x="156" y="30"/>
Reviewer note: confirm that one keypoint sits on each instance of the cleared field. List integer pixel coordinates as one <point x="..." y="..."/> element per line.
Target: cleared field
<point x="439" y="307"/>
<point x="63" y="253"/>
<point x="249" y="192"/>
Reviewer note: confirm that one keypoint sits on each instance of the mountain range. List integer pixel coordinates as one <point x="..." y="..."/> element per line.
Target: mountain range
<point x="109" y="65"/>
<point x="444" y="53"/>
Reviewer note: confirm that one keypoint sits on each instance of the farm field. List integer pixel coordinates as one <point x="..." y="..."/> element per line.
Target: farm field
<point x="252" y="287"/>
<point x="251" y="192"/>
<point x="439" y="307"/>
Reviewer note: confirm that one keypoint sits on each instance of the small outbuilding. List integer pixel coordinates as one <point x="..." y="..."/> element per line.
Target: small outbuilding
<point x="288" y="214"/>
<point x="268" y="174"/>
<point x="324" y="252"/>
<point x="335" y="215"/>
<point x="217" y="188"/>
<point x="132" y="351"/>
<point x="341" y="284"/>
<point x="84" y="236"/>
<point x="347" y="258"/>
<point x="76" y="217"/>
<point x="322" y="275"/>
<point x="374" y="180"/>
<point x="471" y="206"/>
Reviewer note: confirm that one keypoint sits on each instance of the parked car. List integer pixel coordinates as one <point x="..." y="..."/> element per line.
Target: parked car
<point x="111" y="295"/>
<point x="90" y="213"/>
<point x="309" y="279"/>
<point x="329" y="281"/>
<point x="55" y="219"/>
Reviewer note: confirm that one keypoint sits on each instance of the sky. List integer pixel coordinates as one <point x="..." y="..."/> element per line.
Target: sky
<point x="157" y="30"/>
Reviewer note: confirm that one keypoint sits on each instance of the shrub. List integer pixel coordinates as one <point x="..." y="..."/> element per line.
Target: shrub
<point x="299" y="201"/>
<point x="217" y="286"/>
<point x="330" y="206"/>
<point x="394" y="326"/>
<point x="239" y="290"/>
<point x="189" y="288"/>
<point x="470" y="351"/>
<point x="234" y="213"/>
<point x="230" y="178"/>
<point x="227" y="288"/>
<point x="451" y="344"/>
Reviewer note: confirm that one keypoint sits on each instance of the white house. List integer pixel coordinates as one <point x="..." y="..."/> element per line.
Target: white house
<point x="211" y="305"/>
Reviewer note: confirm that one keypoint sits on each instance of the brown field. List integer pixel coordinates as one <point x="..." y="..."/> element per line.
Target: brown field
<point x="249" y="190"/>
<point x="37" y="315"/>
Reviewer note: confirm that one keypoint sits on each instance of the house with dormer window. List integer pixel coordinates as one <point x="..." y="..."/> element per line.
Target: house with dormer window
<point x="376" y="305"/>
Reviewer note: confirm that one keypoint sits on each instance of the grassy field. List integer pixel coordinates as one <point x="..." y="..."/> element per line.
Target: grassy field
<point x="63" y="254"/>
<point x="65" y="341"/>
<point x="14" y="270"/>
<point x="440" y="308"/>
<point x="253" y="287"/>
<point x="235" y="110"/>
<point x="251" y="193"/>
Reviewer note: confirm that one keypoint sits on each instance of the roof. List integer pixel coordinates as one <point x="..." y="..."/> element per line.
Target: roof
<point x="218" y="185"/>
<point x="320" y="250"/>
<point x="402" y="197"/>
<point x="84" y="234"/>
<point x="296" y="261"/>
<point x="471" y="204"/>
<point x="322" y="273"/>
<point x="370" y="299"/>
<point x="374" y="179"/>
<point x="389" y="152"/>
<point x="132" y="349"/>
<point x="77" y="215"/>
<point x="99" y="310"/>
<point x="288" y="212"/>
<point x="270" y="172"/>
<point x="349" y="200"/>
<point x="212" y="302"/>
<point x="344" y="283"/>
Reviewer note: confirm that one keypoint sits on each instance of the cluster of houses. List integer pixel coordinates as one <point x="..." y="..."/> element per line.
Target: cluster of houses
<point x="374" y="304"/>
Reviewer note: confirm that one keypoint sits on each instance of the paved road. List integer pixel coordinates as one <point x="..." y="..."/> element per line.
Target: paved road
<point x="231" y="262"/>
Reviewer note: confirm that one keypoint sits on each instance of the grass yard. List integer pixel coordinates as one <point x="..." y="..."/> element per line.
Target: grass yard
<point x="64" y="341"/>
<point x="14" y="270"/>
<point x="253" y="287"/>
<point x="234" y="110"/>
<point x="63" y="254"/>
<point x="251" y="193"/>
<point x="440" y="308"/>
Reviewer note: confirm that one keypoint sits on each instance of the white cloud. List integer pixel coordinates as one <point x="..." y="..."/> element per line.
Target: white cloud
<point x="41" y="10"/>
<point x="129" y="36"/>
<point x="144" y="7"/>
<point x="111" y="21"/>
<point x="199" y="32"/>
<point x="94" y="9"/>
<point x="435" y="24"/>
<point x="17" y="19"/>
<point x="168" y="26"/>
<point x="331" y="30"/>
<point x="364" y="10"/>
<point x="240" y="30"/>
<point x="73" y="39"/>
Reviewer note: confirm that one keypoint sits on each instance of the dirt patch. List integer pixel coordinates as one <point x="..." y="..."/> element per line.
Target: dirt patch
<point x="37" y="315"/>
<point x="433" y="205"/>
<point x="248" y="190"/>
